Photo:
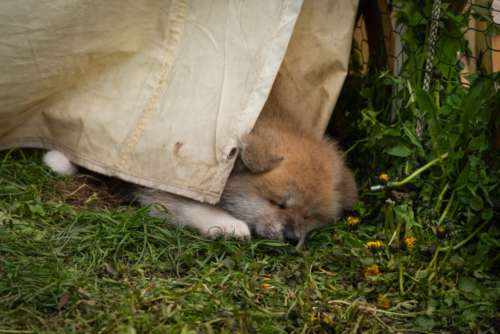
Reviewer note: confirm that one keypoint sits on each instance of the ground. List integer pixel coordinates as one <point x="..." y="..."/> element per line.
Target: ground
<point x="75" y="259"/>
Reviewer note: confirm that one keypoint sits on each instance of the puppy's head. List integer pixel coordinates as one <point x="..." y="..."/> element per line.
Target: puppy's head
<point x="286" y="183"/>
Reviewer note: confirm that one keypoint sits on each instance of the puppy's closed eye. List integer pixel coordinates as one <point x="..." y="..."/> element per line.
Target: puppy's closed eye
<point x="281" y="206"/>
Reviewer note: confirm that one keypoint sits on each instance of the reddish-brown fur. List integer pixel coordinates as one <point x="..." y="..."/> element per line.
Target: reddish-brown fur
<point x="286" y="181"/>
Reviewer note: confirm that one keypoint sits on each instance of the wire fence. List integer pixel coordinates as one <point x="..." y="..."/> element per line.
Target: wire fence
<point x="387" y="66"/>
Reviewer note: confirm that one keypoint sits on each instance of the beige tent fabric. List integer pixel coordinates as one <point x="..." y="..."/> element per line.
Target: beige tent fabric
<point x="316" y="61"/>
<point x="160" y="93"/>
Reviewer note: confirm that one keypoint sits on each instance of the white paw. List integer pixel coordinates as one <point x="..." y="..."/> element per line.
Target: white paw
<point x="233" y="230"/>
<point x="59" y="163"/>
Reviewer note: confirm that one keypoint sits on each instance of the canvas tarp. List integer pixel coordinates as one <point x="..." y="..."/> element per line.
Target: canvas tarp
<point x="159" y="92"/>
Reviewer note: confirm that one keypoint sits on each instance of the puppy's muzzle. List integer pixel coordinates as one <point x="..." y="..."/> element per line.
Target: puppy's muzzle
<point x="291" y="239"/>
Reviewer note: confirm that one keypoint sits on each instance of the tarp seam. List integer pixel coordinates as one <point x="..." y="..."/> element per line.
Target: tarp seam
<point x="170" y="54"/>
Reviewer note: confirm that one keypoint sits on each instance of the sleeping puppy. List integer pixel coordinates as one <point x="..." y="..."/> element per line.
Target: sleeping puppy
<point x="285" y="183"/>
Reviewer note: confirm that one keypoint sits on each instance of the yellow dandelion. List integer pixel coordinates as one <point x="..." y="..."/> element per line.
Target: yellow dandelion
<point x="410" y="242"/>
<point x="375" y="245"/>
<point x="353" y="221"/>
<point x="328" y="322"/>
<point x="265" y="285"/>
<point x="385" y="303"/>
<point x="384" y="177"/>
<point x="353" y="224"/>
<point x="372" y="271"/>
<point x="394" y="267"/>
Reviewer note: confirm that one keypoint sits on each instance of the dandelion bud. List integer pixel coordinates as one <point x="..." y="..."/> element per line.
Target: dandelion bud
<point x="441" y="233"/>
<point x="459" y="268"/>
<point x="393" y="248"/>
<point x="424" y="250"/>
<point x="450" y="228"/>
<point x="339" y="255"/>
<point x="403" y="246"/>
<point x="433" y="214"/>
<point x="425" y="224"/>
<point x="437" y="74"/>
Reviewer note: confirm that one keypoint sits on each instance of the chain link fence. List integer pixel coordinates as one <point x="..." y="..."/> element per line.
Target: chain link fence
<point x="387" y="67"/>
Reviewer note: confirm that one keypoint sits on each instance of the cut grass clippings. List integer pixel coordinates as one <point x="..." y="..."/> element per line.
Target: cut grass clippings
<point x="95" y="268"/>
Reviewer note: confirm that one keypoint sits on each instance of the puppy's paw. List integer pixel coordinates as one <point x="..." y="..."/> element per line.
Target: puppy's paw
<point x="59" y="163"/>
<point x="230" y="230"/>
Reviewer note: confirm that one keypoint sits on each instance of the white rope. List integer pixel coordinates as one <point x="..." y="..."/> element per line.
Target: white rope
<point x="429" y="60"/>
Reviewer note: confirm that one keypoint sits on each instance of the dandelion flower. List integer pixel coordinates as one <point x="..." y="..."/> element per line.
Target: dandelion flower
<point x="385" y="303"/>
<point x="327" y="321"/>
<point x="394" y="267"/>
<point x="353" y="224"/>
<point x="384" y="177"/>
<point x="265" y="285"/>
<point x="373" y="271"/>
<point x="410" y="242"/>
<point x="353" y="221"/>
<point x="449" y="281"/>
<point x="375" y="245"/>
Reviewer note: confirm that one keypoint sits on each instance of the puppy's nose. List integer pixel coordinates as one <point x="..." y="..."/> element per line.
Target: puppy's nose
<point x="291" y="239"/>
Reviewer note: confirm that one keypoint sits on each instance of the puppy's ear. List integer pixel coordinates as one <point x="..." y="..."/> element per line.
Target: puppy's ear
<point x="260" y="152"/>
<point x="348" y="189"/>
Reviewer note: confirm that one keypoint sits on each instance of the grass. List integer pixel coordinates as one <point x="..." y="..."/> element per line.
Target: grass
<point x="93" y="268"/>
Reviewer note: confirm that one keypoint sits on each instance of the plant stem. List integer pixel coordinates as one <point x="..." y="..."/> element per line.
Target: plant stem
<point x="421" y="238"/>
<point x="445" y="212"/>
<point x="400" y="274"/>
<point x="440" y="198"/>
<point x="391" y="219"/>
<point x="450" y="216"/>
<point x="434" y="258"/>
<point x="434" y="143"/>
<point x="463" y="242"/>
<point x="436" y="94"/>
<point x="418" y="171"/>
<point x="441" y="267"/>
<point x="400" y="260"/>
<point x="414" y="279"/>
<point x="386" y="227"/>
<point x="493" y="260"/>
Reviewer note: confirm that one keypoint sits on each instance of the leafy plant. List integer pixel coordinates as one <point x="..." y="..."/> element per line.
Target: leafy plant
<point x="442" y="188"/>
